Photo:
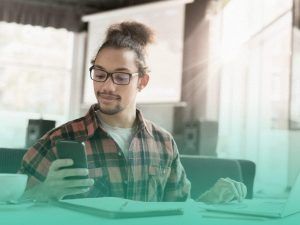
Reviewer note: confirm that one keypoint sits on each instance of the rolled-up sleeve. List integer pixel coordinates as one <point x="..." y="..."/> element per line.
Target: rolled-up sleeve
<point x="178" y="186"/>
<point x="36" y="162"/>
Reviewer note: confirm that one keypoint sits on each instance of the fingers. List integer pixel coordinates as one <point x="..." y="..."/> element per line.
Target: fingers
<point x="73" y="191"/>
<point x="55" y="171"/>
<point x="244" y="190"/>
<point x="78" y="183"/>
<point x="226" y="190"/>
<point x="57" y="189"/>
<point x="63" y="173"/>
<point x="235" y="187"/>
<point x="57" y="164"/>
<point x="60" y="184"/>
<point x="226" y="197"/>
<point x="56" y="176"/>
<point x="238" y="188"/>
<point x="57" y="186"/>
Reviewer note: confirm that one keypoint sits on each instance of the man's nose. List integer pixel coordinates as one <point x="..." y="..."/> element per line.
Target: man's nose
<point x="109" y="85"/>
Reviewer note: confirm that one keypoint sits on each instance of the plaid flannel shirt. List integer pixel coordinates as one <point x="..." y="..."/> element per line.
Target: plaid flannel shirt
<point x="152" y="172"/>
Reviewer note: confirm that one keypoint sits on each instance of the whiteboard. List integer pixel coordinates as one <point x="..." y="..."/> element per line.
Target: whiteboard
<point x="165" y="55"/>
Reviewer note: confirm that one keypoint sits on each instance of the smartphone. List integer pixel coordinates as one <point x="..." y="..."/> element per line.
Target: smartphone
<point x="75" y="150"/>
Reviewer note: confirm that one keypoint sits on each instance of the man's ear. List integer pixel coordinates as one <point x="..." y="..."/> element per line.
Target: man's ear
<point x="143" y="81"/>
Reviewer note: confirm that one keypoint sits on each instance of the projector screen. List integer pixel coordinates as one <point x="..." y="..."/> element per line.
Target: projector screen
<point x="165" y="55"/>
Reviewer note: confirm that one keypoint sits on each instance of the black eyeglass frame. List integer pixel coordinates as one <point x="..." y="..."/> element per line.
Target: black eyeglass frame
<point x="111" y="75"/>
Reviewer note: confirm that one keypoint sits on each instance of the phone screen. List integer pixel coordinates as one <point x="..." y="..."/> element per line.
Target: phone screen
<point x="73" y="150"/>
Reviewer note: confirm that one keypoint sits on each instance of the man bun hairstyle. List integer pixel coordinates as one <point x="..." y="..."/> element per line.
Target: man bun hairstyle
<point x="131" y="35"/>
<point x="133" y="32"/>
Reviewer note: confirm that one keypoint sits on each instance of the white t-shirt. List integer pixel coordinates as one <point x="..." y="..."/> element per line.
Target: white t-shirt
<point x="122" y="136"/>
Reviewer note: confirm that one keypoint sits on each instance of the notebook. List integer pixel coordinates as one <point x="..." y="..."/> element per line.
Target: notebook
<point x="112" y="207"/>
<point x="261" y="207"/>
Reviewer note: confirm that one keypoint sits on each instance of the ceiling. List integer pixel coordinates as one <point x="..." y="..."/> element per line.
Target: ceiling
<point x="59" y="13"/>
<point x="89" y="6"/>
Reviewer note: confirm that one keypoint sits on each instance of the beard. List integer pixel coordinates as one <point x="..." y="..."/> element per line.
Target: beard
<point x="109" y="111"/>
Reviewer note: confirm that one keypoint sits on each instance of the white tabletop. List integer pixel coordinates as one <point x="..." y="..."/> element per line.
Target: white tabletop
<point x="45" y="214"/>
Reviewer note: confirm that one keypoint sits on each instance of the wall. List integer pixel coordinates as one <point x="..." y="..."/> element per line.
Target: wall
<point x="199" y="90"/>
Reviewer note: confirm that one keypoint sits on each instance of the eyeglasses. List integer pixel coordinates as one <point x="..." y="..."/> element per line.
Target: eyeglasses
<point x="120" y="78"/>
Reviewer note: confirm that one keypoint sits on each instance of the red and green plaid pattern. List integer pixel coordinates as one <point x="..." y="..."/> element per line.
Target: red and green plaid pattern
<point x="152" y="172"/>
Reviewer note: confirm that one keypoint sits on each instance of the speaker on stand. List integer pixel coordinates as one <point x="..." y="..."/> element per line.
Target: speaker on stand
<point x="200" y="138"/>
<point x="36" y="129"/>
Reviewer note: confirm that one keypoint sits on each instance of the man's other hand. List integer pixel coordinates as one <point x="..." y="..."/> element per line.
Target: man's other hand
<point x="223" y="191"/>
<point x="55" y="186"/>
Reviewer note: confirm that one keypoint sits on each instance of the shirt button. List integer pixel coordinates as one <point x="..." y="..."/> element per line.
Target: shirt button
<point x="119" y="153"/>
<point x="126" y="182"/>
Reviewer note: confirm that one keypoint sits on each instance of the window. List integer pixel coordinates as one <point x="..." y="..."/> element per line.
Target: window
<point x="35" y="72"/>
<point x="254" y="87"/>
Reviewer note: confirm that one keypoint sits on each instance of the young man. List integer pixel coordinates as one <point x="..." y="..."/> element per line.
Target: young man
<point x="128" y="156"/>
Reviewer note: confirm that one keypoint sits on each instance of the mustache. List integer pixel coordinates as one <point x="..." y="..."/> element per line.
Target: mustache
<point x="99" y="94"/>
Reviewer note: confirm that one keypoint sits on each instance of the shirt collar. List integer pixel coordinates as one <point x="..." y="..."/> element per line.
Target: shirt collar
<point x="143" y="123"/>
<point x="93" y="123"/>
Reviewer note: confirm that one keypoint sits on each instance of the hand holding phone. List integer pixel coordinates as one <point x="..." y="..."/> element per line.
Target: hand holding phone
<point x="69" y="149"/>
<point x="60" y="183"/>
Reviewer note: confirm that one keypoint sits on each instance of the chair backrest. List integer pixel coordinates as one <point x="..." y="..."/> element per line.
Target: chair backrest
<point x="248" y="169"/>
<point x="203" y="172"/>
<point x="10" y="159"/>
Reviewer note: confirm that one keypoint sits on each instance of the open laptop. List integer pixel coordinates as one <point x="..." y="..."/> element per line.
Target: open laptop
<point x="264" y="207"/>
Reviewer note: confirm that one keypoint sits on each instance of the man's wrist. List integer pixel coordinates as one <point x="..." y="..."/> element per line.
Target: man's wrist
<point x="36" y="194"/>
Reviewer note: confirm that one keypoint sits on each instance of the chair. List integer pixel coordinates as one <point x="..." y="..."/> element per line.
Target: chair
<point x="10" y="159"/>
<point x="203" y="172"/>
<point x="248" y="173"/>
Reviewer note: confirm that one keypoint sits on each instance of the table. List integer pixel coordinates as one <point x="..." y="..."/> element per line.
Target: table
<point x="47" y="214"/>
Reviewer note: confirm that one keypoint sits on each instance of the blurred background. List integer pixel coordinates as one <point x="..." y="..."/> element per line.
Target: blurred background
<point x="225" y="74"/>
